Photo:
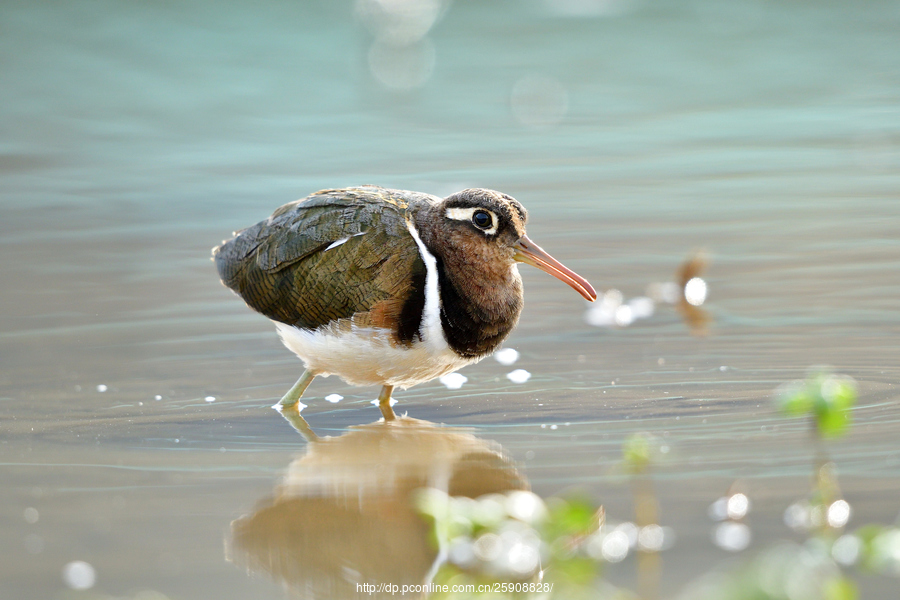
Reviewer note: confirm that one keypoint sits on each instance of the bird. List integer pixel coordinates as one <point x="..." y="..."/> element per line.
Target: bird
<point x="387" y="287"/>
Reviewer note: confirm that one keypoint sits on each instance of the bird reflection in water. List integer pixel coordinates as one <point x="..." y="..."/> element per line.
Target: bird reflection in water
<point x="344" y="514"/>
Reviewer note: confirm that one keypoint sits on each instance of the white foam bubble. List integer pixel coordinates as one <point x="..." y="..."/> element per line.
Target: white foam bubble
<point x="279" y="407"/>
<point x="615" y="546"/>
<point x="375" y="402"/>
<point x="695" y="291"/>
<point x="642" y="307"/>
<point x="506" y="356"/>
<point x="838" y="513"/>
<point x="79" y="575"/>
<point x="518" y="376"/>
<point x="732" y="536"/>
<point x="453" y="381"/>
<point x="737" y="506"/>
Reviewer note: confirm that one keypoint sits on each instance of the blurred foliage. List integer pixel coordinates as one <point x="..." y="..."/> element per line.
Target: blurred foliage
<point x="638" y="452"/>
<point x="561" y="543"/>
<point x="785" y="571"/>
<point x="567" y="543"/>
<point x="826" y="397"/>
<point x="517" y="537"/>
<point x="874" y="548"/>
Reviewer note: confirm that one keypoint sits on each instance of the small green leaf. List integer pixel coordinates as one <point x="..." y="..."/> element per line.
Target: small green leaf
<point x="570" y="517"/>
<point x="794" y="398"/>
<point x="833" y="423"/>
<point x="885" y="548"/>
<point x="798" y="403"/>
<point x="840" y="393"/>
<point x="840" y="588"/>
<point x="827" y="397"/>
<point x="639" y="451"/>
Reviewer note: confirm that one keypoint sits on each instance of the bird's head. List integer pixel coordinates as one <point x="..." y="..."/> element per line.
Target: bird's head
<point x="487" y="228"/>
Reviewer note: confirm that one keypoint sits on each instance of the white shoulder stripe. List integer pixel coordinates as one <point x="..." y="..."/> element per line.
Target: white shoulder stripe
<point x="337" y="243"/>
<point x="432" y="332"/>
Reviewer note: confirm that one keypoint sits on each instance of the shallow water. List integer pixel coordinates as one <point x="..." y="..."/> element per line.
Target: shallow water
<point x="134" y="137"/>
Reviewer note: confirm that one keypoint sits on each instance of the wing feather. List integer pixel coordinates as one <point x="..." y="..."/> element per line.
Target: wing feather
<point x="287" y="268"/>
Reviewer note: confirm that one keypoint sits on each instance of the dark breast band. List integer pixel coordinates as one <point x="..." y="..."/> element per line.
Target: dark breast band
<point x="467" y="333"/>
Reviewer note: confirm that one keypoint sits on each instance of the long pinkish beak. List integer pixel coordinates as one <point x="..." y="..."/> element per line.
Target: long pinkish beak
<point x="531" y="254"/>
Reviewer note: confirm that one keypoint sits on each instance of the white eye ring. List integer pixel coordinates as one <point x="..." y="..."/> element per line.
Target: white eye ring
<point x="466" y="214"/>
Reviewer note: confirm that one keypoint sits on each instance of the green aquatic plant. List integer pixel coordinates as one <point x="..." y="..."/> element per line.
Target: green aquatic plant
<point x="639" y="452"/>
<point x="556" y="548"/>
<point x="826" y="397"/>
<point x="812" y="570"/>
<point x="516" y="545"/>
<point x="873" y="548"/>
<point x="817" y="568"/>
<point x="784" y="571"/>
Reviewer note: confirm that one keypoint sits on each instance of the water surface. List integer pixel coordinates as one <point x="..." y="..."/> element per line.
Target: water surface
<point x="134" y="138"/>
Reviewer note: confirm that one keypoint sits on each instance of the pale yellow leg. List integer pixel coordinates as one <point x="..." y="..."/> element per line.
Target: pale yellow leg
<point x="293" y="395"/>
<point x="384" y="403"/>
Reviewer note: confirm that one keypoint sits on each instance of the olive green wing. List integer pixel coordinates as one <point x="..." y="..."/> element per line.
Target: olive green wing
<point x="338" y="254"/>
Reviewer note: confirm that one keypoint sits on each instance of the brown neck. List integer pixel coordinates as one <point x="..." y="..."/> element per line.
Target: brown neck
<point x="481" y="297"/>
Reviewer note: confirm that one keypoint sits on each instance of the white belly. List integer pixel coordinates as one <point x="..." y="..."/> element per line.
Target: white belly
<point x="367" y="356"/>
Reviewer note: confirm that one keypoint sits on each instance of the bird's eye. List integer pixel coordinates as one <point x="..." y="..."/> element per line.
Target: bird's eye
<point x="482" y="219"/>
